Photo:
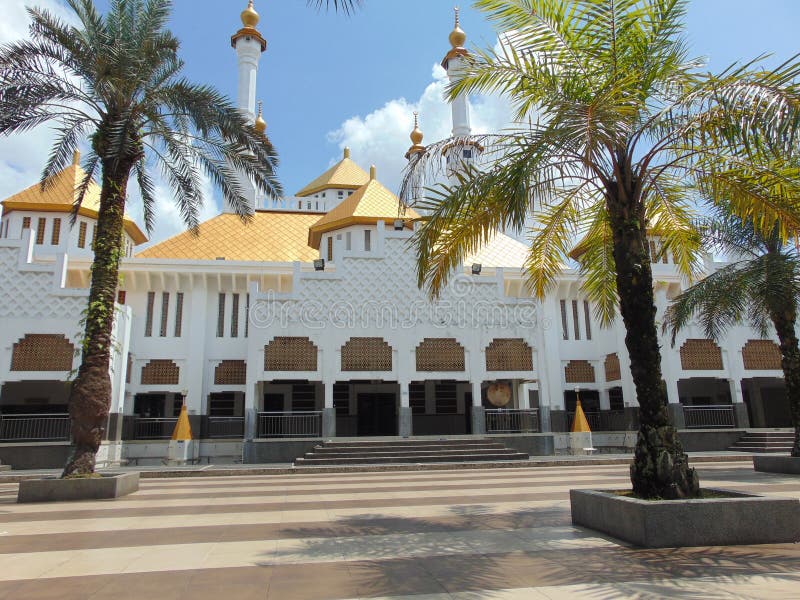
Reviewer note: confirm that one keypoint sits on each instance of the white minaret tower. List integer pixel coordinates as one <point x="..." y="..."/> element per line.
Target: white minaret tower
<point x="462" y="151"/>
<point x="415" y="150"/>
<point x="249" y="45"/>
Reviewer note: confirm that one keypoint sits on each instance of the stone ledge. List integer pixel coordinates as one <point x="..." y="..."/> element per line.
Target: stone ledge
<point x="53" y="489"/>
<point x="738" y="520"/>
<point x="777" y="464"/>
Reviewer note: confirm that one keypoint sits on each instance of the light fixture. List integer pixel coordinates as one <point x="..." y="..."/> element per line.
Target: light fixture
<point x="319" y="264"/>
<point x="476" y="268"/>
<point x="398" y="224"/>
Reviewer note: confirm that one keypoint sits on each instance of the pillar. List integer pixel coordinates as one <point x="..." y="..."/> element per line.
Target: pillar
<point x="405" y="427"/>
<point x="478" y="412"/>
<point x="742" y="420"/>
<point x="328" y="412"/>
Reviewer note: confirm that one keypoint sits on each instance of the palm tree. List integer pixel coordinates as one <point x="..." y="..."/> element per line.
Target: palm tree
<point x="618" y="123"/>
<point x="114" y="80"/>
<point x="346" y="6"/>
<point x="761" y="286"/>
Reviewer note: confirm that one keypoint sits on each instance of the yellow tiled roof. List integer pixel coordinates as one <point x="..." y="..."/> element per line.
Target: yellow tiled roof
<point x="500" y="251"/>
<point x="59" y="196"/>
<point x="267" y="237"/>
<point x="368" y="205"/>
<point x="345" y="175"/>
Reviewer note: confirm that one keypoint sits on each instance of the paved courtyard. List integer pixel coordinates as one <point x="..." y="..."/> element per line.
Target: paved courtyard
<point x="432" y="535"/>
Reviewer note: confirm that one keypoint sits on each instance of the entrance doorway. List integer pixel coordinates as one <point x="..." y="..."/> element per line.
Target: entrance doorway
<point x="377" y="413"/>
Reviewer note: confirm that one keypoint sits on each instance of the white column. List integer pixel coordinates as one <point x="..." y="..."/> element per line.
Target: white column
<point x="459" y="106"/>
<point x="248" y="54"/>
<point x="476" y="393"/>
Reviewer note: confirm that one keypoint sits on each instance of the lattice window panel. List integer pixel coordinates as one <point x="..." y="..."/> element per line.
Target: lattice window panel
<point x="440" y="354"/>
<point x="42" y="352"/>
<point x="509" y="354"/>
<point x="613" y="371"/>
<point x="160" y="372"/>
<point x="761" y="355"/>
<point x="230" y="372"/>
<point x="579" y="371"/>
<point x="129" y="369"/>
<point x="701" y="355"/>
<point x="366" y="354"/>
<point x="290" y="354"/>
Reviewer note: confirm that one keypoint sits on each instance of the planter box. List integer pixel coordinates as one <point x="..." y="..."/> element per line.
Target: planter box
<point x="738" y="520"/>
<point x="52" y="489"/>
<point x="777" y="464"/>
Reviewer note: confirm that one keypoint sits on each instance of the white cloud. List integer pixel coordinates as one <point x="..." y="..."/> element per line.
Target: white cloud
<point x="381" y="137"/>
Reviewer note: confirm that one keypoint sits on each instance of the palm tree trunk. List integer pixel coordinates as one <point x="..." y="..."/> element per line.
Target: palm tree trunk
<point x="90" y="395"/>
<point x="790" y="362"/>
<point x="660" y="468"/>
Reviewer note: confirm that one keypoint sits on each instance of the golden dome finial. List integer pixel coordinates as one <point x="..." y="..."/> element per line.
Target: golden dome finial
<point x="76" y="157"/>
<point x="457" y="36"/>
<point x="250" y="17"/>
<point x="260" y="124"/>
<point x="416" y="133"/>
<point x="346" y="153"/>
<point x="373" y="172"/>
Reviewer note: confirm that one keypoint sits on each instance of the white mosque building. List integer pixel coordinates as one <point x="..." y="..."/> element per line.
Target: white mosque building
<point x="307" y="324"/>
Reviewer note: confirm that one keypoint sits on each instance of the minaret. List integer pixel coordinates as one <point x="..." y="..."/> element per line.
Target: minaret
<point x="461" y="152"/>
<point x="249" y="45"/>
<point x="414" y="151"/>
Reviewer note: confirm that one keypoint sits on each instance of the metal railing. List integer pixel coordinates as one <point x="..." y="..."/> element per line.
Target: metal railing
<point x="226" y="427"/>
<point x="290" y="424"/>
<point x="604" y="420"/>
<point x="149" y="428"/>
<point x="512" y="420"/>
<point x="711" y="416"/>
<point x="35" y="428"/>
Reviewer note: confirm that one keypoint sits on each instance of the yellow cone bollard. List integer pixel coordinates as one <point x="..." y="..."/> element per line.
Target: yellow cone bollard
<point x="183" y="429"/>
<point x="580" y="424"/>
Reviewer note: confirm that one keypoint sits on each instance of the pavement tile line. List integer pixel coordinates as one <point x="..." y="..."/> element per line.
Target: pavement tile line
<point x="348" y="545"/>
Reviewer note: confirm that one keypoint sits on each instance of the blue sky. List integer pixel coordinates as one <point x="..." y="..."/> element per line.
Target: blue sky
<point x="328" y="80"/>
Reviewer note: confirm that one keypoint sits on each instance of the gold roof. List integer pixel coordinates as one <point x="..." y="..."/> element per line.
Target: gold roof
<point x="500" y="250"/>
<point x="369" y="204"/>
<point x="267" y="237"/>
<point x="343" y="175"/>
<point x="60" y="194"/>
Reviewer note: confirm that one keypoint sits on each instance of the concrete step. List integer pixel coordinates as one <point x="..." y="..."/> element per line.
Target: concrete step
<point x="405" y="459"/>
<point x="409" y="453"/>
<point x="408" y="448"/>
<point x="416" y="442"/>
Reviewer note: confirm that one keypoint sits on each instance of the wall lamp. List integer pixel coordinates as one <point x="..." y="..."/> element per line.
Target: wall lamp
<point x="398" y="224"/>
<point x="476" y="268"/>
<point x="319" y="264"/>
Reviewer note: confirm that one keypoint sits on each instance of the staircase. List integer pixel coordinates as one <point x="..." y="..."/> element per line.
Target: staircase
<point x="765" y="441"/>
<point x="373" y="452"/>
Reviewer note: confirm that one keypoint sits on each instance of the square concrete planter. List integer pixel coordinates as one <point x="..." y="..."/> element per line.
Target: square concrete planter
<point x="777" y="464"/>
<point x="53" y="489"/>
<point x="736" y="520"/>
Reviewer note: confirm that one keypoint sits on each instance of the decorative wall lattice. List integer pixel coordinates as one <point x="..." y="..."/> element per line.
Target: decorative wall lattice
<point x="509" y="354"/>
<point x="701" y="355"/>
<point x="761" y="355"/>
<point x="42" y="352"/>
<point x="160" y="372"/>
<point x="290" y="354"/>
<point x="613" y="371"/>
<point x="579" y="371"/>
<point x="440" y="354"/>
<point x="230" y="372"/>
<point x="366" y="354"/>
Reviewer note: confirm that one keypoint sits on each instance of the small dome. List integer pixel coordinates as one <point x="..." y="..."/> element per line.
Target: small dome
<point x="260" y="124"/>
<point x="457" y="36"/>
<point x="416" y="134"/>
<point x="250" y="17"/>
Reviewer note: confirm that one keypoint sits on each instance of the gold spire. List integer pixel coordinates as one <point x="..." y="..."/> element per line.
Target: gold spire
<point x="373" y="172"/>
<point x="457" y="36"/>
<point x="76" y="157"/>
<point x="260" y="124"/>
<point x="346" y="153"/>
<point x="250" y="17"/>
<point x="416" y="138"/>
